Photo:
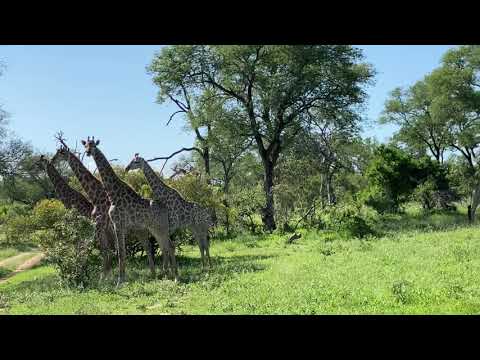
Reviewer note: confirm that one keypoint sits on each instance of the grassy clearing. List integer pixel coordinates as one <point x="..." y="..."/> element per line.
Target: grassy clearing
<point x="428" y="271"/>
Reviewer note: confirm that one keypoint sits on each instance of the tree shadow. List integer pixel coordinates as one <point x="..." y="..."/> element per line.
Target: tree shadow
<point x="191" y="271"/>
<point x="223" y="268"/>
<point x="423" y="221"/>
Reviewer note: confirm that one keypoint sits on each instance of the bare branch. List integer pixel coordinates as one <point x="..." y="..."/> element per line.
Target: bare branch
<point x="177" y="152"/>
<point x="59" y="136"/>
<point x="166" y="158"/>
<point x="171" y="116"/>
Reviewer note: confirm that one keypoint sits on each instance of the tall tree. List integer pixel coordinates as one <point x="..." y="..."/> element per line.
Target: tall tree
<point x="457" y="86"/>
<point x="275" y="86"/>
<point x="420" y="129"/>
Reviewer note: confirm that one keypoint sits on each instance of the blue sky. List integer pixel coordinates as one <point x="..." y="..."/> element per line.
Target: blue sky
<point x="105" y="91"/>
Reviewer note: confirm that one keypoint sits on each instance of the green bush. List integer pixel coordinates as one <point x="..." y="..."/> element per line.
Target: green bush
<point x="8" y="211"/>
<point x="377" y="198"/>
<point x="48" y="212"/>
<point x="247" y="203"/>
<point x="70" y="246"/>
<point x="21" y="222"/>
<point x="351" y="220"/>
<point x="18" y="231"/>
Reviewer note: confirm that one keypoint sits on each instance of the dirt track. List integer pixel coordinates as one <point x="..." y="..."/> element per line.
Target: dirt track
<point x="35" y="260"/>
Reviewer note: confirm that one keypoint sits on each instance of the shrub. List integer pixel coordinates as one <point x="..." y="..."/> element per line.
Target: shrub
<point x="69" y="245"/>
<point x="378" y="199"/>
<point x="18" y="230"/>
<point x="21" y="223"/>
<point x="8" y="211"/>
<point x="48" y="212"/>
<point x="403" y="291"/>
<point x="350" y="219"/>
<point x="248" y="202"/>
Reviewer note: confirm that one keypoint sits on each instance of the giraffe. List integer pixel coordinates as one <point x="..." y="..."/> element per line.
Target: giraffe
<point x="181" y="213"/>
<point x="128" y="209"/>
<point x="70" y="197"/>
<point x="99" y="198"/>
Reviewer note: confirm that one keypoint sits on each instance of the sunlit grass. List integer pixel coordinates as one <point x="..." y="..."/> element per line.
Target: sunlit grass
<point x="409" y="272"/>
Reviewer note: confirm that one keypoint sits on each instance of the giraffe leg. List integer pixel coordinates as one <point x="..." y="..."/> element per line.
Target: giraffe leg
<point x="119" y="231"/>
<point x="110" y="240"/>
<point x="173" y="261"/>
<point x="168" y="252"/>
<point x="205" y="243"/>
<point x="149" y="250"/>
<point x="207" y="248"/>
<point x="100" y="237"/>
<point x="198" y="237"/>
<point x="122" y="257"/>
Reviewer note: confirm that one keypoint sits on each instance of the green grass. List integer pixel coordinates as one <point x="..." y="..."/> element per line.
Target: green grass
<point x="419" y="270"/>
<point x="8" y="252"/>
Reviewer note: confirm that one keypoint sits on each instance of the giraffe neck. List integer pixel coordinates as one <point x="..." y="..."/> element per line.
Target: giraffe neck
<point x="114" y="186"/>
<point x="90" y="183"/>
<point x="57" y="180"/>
<point x="66" y="194"/>
<point x="159" y="188"/>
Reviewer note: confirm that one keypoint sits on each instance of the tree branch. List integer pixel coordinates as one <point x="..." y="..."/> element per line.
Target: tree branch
<point x="166" y="158"/>
<point x="171" y="116"/>
<point x="175" y="153"/>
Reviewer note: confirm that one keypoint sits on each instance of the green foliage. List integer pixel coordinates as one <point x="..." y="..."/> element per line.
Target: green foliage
<point x="21" y="180"/>
<point x="394" y="176"/>
<point x="376" y="197"/>
<point x="70" y="247"/>
<point x="402" y="290"/>
<point x="247" y="203"/>
<point x="391" y="174"/>
<point x="21" y="222"/>
<point x="331" y="78"/>
<point x="8" y="211"/>
<point x="48" y="212"/>
<point x="194" y="188"/>
<point x="421" y="129"/>
<point x="351" y="220"/>
<point x="18" y="231"/>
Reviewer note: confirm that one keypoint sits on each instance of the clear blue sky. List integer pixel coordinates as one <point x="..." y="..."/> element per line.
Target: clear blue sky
<point x="105" y="91"/>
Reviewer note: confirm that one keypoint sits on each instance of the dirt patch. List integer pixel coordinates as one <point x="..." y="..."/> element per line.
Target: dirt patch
<point x="13" y="259"/>
<point x="24" y="266"/>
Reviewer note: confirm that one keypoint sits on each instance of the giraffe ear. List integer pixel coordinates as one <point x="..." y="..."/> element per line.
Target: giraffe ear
<point x="97" y="142"/>
<point x="84" y="142"/>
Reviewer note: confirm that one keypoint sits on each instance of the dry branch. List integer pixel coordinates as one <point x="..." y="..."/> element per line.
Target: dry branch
<point x="166" y="158"/>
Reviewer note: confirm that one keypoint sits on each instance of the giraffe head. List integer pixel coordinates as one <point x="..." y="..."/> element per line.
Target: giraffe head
<point x="61" y="154"/>
<point x="42" y="162"/>
<point x="136" y="163"/>
<point x="90" y="145"/>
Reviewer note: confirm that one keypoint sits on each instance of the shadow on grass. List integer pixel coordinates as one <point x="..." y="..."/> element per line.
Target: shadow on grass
<point x="428" y="221"/>
<point x="190" y="271"/>
<point x="190" y="268"/>
<point x="4" y="273"/>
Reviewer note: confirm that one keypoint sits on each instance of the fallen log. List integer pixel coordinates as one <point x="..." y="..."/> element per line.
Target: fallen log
<point x="293" y="238"/>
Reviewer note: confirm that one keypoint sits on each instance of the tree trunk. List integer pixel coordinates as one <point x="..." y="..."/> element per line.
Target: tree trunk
<point x="227" y="217"/>
<point x="206" y="162"/>
<point x="474" y="203"/>
<point x="322" y="191"/>
<point x="268" y="212"/>
<point x="330" y="193"/>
